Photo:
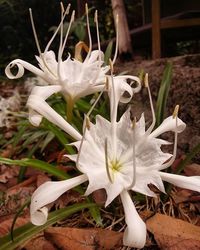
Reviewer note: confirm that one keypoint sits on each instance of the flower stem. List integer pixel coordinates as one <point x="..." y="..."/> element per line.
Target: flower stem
<point x="69" y="109"/>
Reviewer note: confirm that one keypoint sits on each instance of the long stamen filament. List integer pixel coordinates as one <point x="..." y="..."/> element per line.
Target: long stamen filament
<point x="68" y="30"/>
<point x="89" y="33"/>
<point x="56" y="32"/>
<point x="86" y="125"/>
<point x="134" y="158"/>
<point x="37" y="42"/>
<point x="117" y="38"/>
<point x="106" y="161"/>
<point x="169" y="163"/>
<point x="146" y="83"/>
<point x="99" y="45"/>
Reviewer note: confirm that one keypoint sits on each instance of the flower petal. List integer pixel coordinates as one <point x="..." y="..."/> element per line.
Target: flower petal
<point x="192" y="183"/>
<point x="36" y="102"/>
<point x="47" y="193"/>
<point x="21" y="65"/>
<point x="135" y="233"/>
<point x="169" y="124"/>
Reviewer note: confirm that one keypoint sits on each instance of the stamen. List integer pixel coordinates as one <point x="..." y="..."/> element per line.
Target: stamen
<point x="37" y="42"/>
<point x="146" y="83"/>
<point x="106" y="160"/>
<point x="99" y="45"/>
<point x="56" y="32"/>
<point x="89" y="33"/>
<point x="175" y="113"/>
<point x="81" y="146"/>
<point x="134" y="158"/>
<point x="86" y="125"/>
<point x="68" y="30"/>
<point x="87" y="122"/>
<point x="111" y="66"/>
<point x="107" y="84"/>
<point x="117" y="38"/>
<point x="169" y="163"/>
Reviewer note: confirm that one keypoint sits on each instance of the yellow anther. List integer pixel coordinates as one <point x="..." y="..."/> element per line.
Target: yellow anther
<point x="175" y="113"/>
<point x="107" y="84"/>
<point x="86" y="8"/>
<point x="111" y="65"/>
<point x="62" y="7"/>
<point x="68" y="8"/>
<point x="87" y="122"/>
<point x="146" y="80"/>
<point x="134" y="123"/>
<point x="96" y="16"/>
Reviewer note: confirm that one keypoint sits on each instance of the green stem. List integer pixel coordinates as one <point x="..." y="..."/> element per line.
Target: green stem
<point x="70" y="106"/>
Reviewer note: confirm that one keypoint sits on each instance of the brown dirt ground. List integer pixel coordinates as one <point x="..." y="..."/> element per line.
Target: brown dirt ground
<point x="185" y="91"/>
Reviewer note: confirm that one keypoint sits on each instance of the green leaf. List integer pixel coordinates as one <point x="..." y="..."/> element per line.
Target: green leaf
<point x="26" y="232"/>
<point x="163" y="94"/>
<point x="108" y="52"/>
<point x="41" y="165"/>
<point x="46" y="167"/>
<point x="60" y="135"/>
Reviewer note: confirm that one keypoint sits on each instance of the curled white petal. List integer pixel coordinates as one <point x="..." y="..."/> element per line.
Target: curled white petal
<point x="136" y="79"/>
<point x="47" y="193"/>
<point x="169" y="124"/>
<point x="135" y="233"/>
<point x="21" y="65"/>
<point x="192" y="183"/>
<point x="34" y="117"/>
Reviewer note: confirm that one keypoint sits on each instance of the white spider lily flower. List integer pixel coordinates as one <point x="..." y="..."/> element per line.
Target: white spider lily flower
<point x="76" y="78"/>
<point x="119" y="156"/>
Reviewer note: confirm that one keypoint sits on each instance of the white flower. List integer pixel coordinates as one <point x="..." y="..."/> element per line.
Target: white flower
<point x="119" y="156"/>
<point x="74" y="77"/>
<point x="7" y="107"/>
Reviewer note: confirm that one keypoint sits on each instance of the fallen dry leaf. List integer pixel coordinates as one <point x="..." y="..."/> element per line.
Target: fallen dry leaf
<point x="5" y="226"/>
<point x="38" y="243"/>
<point x="192" y="169"/>
<point x="84" y="239"/>
<point x="174" y="234"/>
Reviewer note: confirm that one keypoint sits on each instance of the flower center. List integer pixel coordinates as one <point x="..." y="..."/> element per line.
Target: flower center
<point x="115" y="165"/>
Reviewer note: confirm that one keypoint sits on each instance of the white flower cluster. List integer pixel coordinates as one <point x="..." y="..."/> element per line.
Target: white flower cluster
<point x="120" y="156"/>
<point x="7" y="107"/>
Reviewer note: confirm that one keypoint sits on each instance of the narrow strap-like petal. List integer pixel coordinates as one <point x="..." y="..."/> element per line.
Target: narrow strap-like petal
<point x="135" y="233"/>
<point x="47" y="193"/>
<point x="39" y="105"/>
<point x="169" y="124"/>
<point x="192" y="183"/>
<point x="21" y="65"/>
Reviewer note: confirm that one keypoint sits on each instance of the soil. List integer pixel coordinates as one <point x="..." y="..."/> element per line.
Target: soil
<point x="184" y="90"/>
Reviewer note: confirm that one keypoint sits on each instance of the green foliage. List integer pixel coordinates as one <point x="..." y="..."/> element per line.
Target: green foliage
<point x="163" y="94"/>
<point x="26" y="232"/>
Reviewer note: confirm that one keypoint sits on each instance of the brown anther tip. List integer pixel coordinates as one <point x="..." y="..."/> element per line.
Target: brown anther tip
<point x="107" y="83"/>
<point x="87" y="122"/>
<point x="96" y="16"/>
<point x="86" y="8"/>
<point x="146" y="80"/>
<point x="111" y="65"/>
<point x="175" y="113"/>
<point x="134" y="123"/>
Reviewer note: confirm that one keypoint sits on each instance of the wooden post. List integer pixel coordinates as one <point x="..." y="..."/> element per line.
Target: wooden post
<point x="156" y="41"/>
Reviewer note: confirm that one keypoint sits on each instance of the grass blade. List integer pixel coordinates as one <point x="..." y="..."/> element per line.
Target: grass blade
<point x="163" y="94"/>
<point x="26" y="232"/>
